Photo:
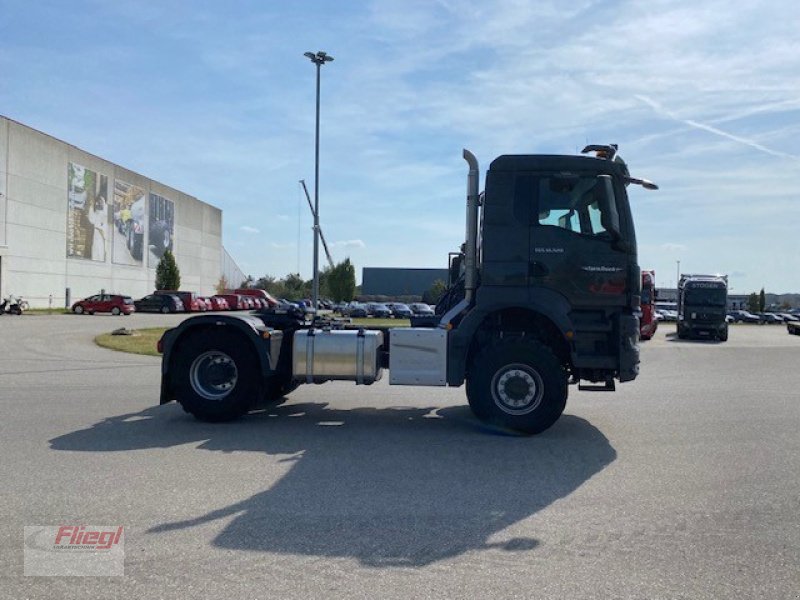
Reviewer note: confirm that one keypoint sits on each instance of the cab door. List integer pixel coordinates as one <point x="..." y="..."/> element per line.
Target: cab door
<point x="574" y="238"/>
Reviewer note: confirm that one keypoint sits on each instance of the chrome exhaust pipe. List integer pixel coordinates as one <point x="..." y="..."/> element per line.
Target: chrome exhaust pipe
<point x="471" y="245"/>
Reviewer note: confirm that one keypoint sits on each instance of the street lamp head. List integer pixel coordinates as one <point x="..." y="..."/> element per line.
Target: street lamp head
<point x="319" y="58"/>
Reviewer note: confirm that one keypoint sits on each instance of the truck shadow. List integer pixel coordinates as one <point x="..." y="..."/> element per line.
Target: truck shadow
<point x="673" y="337"/>
<point x="390" y="486"/>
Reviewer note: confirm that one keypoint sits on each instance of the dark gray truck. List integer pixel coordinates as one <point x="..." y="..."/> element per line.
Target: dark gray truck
<point x="545" y="293"/>
<point x="702" y="307"/>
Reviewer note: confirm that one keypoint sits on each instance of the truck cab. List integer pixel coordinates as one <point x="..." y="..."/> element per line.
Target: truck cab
<point x="702" y="307"/>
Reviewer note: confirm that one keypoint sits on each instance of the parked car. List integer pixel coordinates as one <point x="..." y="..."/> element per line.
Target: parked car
<point x="667" y="315"/>
<point x="789" y="317"/>
<point x="205" y="301"/>
<point x="201" y="304"/>
<point x="234" y="301"/>
<point x="219" y="303"/>
<point x="115" y="304"/>
<point x="743" y="316"/>
<point x="401" y="311"/>
<point x="163" y="303"/>
<point x="793" y="327"/>
<point x="356" y="310"/>
<point x="770" y="318"/>
<point x="189" y="299"/>
<point x="378" y="310"/>
<point x="420" y="309"/>
<point x="257" y="293"/>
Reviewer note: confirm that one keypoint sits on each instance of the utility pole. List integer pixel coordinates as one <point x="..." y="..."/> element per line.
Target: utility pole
<point x="319" y="59"/>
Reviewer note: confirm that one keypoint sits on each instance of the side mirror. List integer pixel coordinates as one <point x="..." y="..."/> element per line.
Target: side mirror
<point x="609" y="217"/>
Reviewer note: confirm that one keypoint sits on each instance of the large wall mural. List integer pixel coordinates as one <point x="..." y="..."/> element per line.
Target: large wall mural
<point x="129" y="224"/>
<point x="87" y="214"/>
<point x="161" y="228"/>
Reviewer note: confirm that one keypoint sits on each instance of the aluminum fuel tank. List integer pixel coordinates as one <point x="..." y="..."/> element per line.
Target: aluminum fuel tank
<point x="350" y="355"/>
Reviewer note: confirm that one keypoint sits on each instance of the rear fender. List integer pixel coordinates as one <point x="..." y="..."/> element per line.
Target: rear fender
<point x="265" y="341"/>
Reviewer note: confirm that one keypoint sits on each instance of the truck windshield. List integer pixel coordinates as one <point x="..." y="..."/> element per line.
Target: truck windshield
<point x="706" y="296"/>
<point x="647" y="295"/>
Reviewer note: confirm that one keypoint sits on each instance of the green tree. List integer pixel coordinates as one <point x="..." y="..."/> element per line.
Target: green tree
<point x="762" y="300"/>
<point x="168" y="276"/>
<point x="341" y="281"/>
<point x="752" y="303"/>
<point x="436" y="291"/>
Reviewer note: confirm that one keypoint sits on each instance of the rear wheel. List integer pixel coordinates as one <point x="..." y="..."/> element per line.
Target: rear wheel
<point x="216" y="376"/>
<point x="165" y="309"/>
<point x="518" y="384"/>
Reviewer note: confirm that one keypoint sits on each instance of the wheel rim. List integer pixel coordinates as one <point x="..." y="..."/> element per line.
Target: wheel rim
<point x="213" y="375"/>
<point x="164" y="310"/>
<point x="78" y="309"/>
<point x="115" y="311"/>
<point x="517" y="389"/>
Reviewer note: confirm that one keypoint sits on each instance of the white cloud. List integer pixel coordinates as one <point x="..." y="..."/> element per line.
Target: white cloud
<point x="249" y="229"/>
<point x="668" y="247"/>
<point x="348" y="244"/>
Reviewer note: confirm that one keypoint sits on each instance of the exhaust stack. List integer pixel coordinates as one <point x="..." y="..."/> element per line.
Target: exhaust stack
<point x="471" y="245"/>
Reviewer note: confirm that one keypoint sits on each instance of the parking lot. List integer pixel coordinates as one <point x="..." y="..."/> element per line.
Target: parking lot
<point x="682" y="484"/>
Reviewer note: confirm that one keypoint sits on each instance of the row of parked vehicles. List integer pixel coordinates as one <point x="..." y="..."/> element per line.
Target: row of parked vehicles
<point x="740" y="316"/>
<point x="384" y="310"/>
<point x="173" y="301"/>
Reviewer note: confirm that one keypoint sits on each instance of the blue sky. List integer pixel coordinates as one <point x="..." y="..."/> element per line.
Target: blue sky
<point x="217" y="100"/>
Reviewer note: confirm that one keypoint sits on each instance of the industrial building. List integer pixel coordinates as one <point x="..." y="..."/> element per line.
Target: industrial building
<point x="73" y="224"/>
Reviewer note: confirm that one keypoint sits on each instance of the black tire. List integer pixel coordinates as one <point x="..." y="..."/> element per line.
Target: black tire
<point x="165" y="310"/>
<point x="502" y="377"/>
<point x="723" y="335"/>
<point x="116" y="311"/>
<point x="216" y="376"/>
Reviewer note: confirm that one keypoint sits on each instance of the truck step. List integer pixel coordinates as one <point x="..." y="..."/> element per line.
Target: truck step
<point x="608" y="386"/>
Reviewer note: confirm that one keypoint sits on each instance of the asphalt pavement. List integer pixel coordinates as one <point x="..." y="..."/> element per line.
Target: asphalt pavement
<point x="682" y="484"/>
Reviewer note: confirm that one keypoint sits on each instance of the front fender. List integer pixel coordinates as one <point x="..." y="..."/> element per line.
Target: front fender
<point x="549" y="304"/>
<point x="266" y="343"/>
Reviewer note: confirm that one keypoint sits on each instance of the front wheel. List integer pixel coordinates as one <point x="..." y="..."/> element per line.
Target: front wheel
<point x="216" y="376"/>
<point x="115" y="311"/>
<point x="519" y="384"/>
<point x="78" y="310"/>
<point x="723" y="335"/>
<point x="165" y="309"/>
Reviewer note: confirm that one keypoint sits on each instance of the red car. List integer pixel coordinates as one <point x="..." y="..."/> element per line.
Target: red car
<point x="110" y="303"/>
<point x="219" y="303"/>
<point x="205" y="303"/>
<point x="258" y="293"/>
<point x="235" y="301"/>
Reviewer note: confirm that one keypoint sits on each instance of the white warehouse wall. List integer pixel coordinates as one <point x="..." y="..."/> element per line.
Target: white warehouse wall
<point x="34" y="184"/>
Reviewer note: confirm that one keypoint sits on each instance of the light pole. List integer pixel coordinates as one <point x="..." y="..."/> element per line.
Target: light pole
<point x="319" y="59"/>
<point x="678" y="275"/>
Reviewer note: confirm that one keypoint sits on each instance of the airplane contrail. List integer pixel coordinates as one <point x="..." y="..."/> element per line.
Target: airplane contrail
<point x="703" y="127"/>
